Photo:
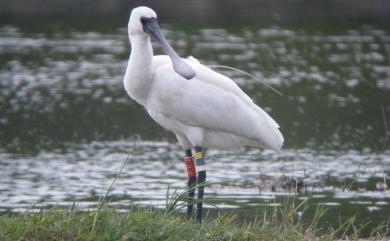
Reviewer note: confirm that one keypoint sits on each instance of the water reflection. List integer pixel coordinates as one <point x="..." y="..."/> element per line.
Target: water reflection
<point x="80" y="173"/>
<point x="69" y="85"/>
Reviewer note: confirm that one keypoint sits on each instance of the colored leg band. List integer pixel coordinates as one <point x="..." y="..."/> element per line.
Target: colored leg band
<point x="189" y="161"/>
<point x="199" y="160"/>
<point x="198" y="155"/>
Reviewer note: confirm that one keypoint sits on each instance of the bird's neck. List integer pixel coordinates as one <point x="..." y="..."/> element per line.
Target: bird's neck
<point x="139" y="72"/>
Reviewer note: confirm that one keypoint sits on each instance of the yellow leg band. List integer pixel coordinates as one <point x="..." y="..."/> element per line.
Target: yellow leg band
<point x="198" y="155"/>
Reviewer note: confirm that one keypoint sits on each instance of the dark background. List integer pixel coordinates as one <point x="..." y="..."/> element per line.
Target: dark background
<point x="201" y="10"/>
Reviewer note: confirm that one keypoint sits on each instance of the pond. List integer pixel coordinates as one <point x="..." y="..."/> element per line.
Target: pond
<point x="67" y="125"/>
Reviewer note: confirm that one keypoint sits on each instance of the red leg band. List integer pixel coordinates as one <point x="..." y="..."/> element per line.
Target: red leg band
<point x="190" y="166"/>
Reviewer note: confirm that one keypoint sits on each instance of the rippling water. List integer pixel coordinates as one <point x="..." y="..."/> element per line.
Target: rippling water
<point x="67" y="125"/>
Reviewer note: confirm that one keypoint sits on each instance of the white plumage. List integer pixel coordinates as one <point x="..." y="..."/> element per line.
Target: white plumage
<point x="207" y="110"/>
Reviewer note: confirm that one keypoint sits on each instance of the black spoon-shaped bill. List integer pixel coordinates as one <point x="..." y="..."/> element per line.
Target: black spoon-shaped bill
<point x="150" y="26"/>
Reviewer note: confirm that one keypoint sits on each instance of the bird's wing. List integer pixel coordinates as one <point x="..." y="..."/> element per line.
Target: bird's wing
<point x="207" y="75"/>
<point x="210" y="76"/>
<point x="197" y="102"/>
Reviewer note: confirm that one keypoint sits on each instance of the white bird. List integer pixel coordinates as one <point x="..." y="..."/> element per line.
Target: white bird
<point x="200" y="106"/>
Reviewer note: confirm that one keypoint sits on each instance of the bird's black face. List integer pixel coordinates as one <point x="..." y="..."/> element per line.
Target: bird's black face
<point x="151" y="27"/>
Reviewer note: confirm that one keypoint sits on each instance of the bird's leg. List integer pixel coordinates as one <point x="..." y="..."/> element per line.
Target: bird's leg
<point x="190" y="166"/>
<point x="201" y="170"/>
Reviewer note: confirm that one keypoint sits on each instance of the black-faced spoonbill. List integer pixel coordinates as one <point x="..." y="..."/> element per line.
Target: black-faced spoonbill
<point x="200" y="106"/>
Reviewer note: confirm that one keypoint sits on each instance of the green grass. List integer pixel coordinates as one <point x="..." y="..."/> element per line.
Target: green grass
<point x="147" y="223"/>
<point x="142" y="224"/>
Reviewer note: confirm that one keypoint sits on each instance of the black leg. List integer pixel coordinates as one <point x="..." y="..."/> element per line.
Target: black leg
<point x="201" y="170"/>
<point x="190" y="166"/>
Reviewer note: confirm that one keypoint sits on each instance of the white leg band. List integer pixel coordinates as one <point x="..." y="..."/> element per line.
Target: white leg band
<point x="200" y="168"/>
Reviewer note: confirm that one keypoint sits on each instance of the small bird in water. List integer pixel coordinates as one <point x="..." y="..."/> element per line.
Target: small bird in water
<point x="200" y="106"/>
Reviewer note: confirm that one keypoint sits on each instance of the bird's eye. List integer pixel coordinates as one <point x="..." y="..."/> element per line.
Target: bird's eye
<point x="145" y="20"/>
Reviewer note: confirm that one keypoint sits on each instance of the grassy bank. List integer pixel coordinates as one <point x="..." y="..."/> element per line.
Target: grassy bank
<point x="142" y="224"/>
<point x="154" y="224"/>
